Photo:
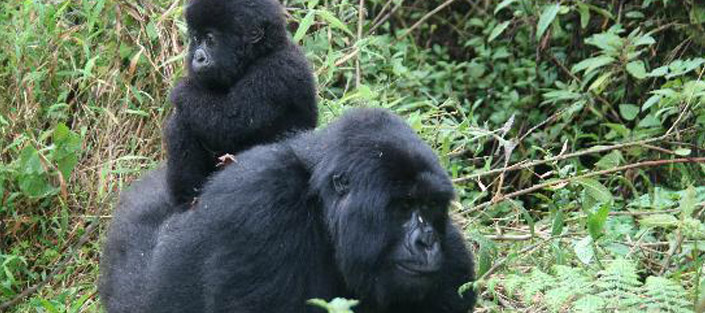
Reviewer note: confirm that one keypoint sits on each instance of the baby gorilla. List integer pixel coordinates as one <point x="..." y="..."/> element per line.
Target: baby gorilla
<point x="357" y="210"/>
<point x="247" y="84"/>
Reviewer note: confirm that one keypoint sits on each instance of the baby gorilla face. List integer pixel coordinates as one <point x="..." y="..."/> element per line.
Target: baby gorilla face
<point x="213" y="58"/>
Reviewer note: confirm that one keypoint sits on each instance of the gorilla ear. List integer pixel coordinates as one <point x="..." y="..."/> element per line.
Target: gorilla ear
<point x="257" y="33"/>
<point x="340" y="183"/>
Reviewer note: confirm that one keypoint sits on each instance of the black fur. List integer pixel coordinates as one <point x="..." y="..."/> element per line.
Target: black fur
<point x="257" y="87"/>
<point x="320" y="215"/>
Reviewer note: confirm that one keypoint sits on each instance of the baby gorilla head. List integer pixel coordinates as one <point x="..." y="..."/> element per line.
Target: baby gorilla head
<point x="228" y="35"/>
<point x="386" y="200"/>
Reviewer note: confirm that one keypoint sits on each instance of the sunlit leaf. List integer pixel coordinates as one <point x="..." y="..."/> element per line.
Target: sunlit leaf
<point x="583" y="250"/>
<point x="596" y="190"/>
<point x="628" y="111"/>
<point x="659" y="220"/>
<point x="637" y="69"/>
<point x="305" y="24"/>
<point x="497" y="30"/>
<point x="546" y="18"/>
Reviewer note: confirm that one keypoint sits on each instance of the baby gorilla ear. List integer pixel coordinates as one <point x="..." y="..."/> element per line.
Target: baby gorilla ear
<point x="340" y="183"/>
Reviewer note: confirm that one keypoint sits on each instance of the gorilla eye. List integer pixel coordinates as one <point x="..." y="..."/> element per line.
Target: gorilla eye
<point x="210" y="38"/>
<point x="407" y="205"/>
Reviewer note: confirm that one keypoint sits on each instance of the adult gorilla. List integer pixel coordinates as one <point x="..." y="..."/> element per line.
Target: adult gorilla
<point x="358" y="210"/>
<point x="247" y="85"/>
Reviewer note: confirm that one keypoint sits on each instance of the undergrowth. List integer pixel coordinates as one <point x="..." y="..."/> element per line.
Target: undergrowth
<point x="572" y="129"/>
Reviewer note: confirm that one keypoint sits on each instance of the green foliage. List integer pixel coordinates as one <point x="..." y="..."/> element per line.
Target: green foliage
<point x="84" y="85"/>
<point x="617" y="288"/>
<point x="337" y="305"/>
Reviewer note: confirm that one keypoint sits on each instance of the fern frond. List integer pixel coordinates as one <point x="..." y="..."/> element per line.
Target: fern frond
<point x="619" y="284"/>
<point x="665" y="295"/>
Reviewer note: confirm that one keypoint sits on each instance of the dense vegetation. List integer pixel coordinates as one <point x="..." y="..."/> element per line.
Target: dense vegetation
<point x="573" y="129"/>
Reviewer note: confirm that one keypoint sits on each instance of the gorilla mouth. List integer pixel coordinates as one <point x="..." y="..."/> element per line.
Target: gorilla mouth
<point x="416" y="269"/>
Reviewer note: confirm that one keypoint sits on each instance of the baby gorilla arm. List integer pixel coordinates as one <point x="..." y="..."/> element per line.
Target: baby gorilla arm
<point x="188" y="164"/>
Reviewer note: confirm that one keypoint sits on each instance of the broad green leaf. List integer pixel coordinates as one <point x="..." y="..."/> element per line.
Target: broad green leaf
<point x="688" y="202"/>
<point x="651" y="101"/>
<point x="503" y="5"/>
<point x="305" y="24"/>
<point x="683" y="151"/>
<point x="600" y="82"/>
<point x="596" y="190"/>
<point x="32" y="179"/>
<point x="649" y="121"/>
<point x="312" y="4"/>
<point x="333" y="21"/>
<point x="584" y="11"/>
<point x="50" y="307"/>
<point x="658" y="72"/>
<point x="591" y="64"/>
<point x="628" y="111"/>
<point x="634" y="15"/>
<point x="617" y="130"/>
<point x="557" y="227"/>
<point x="67" y="147"/>
<point x="659" y="220"/>
<point x="35" y="186"/>
<point x="596" y="221"/>
<point x="608" y="42"/>
<point x="645" y="40"/>
<point x="637" y="69"/>
<point x="546" y="18"/>
<point x="583" y="250"/>
<point x="337" y="305"/>
<point x="610" y="160"/>
<point x="29" y="161"/>
<point x="497" y="30"/>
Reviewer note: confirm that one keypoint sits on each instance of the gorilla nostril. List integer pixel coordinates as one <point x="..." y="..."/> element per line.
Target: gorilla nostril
<point x="200" y="58"/>
<point x="425" y="240"/>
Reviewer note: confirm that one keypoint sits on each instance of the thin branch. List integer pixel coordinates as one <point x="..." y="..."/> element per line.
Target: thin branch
<point x="528" y="249"/>
<point x="379" y="23"/>
<point x="671" y="252"/>
<point x="360" y="21"/>
<point x="525" y="165"/>
<point x="384" y="8"/>
<point x="425" y="17"/>
<point x="591" y="174"/>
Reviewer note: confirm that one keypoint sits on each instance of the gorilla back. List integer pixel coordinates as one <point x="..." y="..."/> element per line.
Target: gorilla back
<point x="247" y="84"/>
<point x="357" y="210"/>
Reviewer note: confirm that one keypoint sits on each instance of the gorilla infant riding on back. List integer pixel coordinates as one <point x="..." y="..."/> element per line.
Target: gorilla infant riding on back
<point x="247" y="84"/>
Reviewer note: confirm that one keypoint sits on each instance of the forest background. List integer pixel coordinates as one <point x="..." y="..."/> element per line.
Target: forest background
<point x="572" y="129"/>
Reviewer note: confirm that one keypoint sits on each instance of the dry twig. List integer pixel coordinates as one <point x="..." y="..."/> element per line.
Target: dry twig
<point x="591" y="174"/>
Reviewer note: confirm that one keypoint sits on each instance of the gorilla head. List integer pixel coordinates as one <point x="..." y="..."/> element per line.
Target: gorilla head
<point x="227" y="35"/>
<point x="385" y="200"/>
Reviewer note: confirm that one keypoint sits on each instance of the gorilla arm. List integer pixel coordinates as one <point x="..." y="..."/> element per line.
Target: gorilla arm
<point x="188" y="164"/>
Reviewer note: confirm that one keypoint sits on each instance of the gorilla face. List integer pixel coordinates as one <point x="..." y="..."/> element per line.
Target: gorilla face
<point x="417" y="254"/>
<point x="388" y="218"/>
<point x="214" y="59"/>
<point x="228" y="35"/>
